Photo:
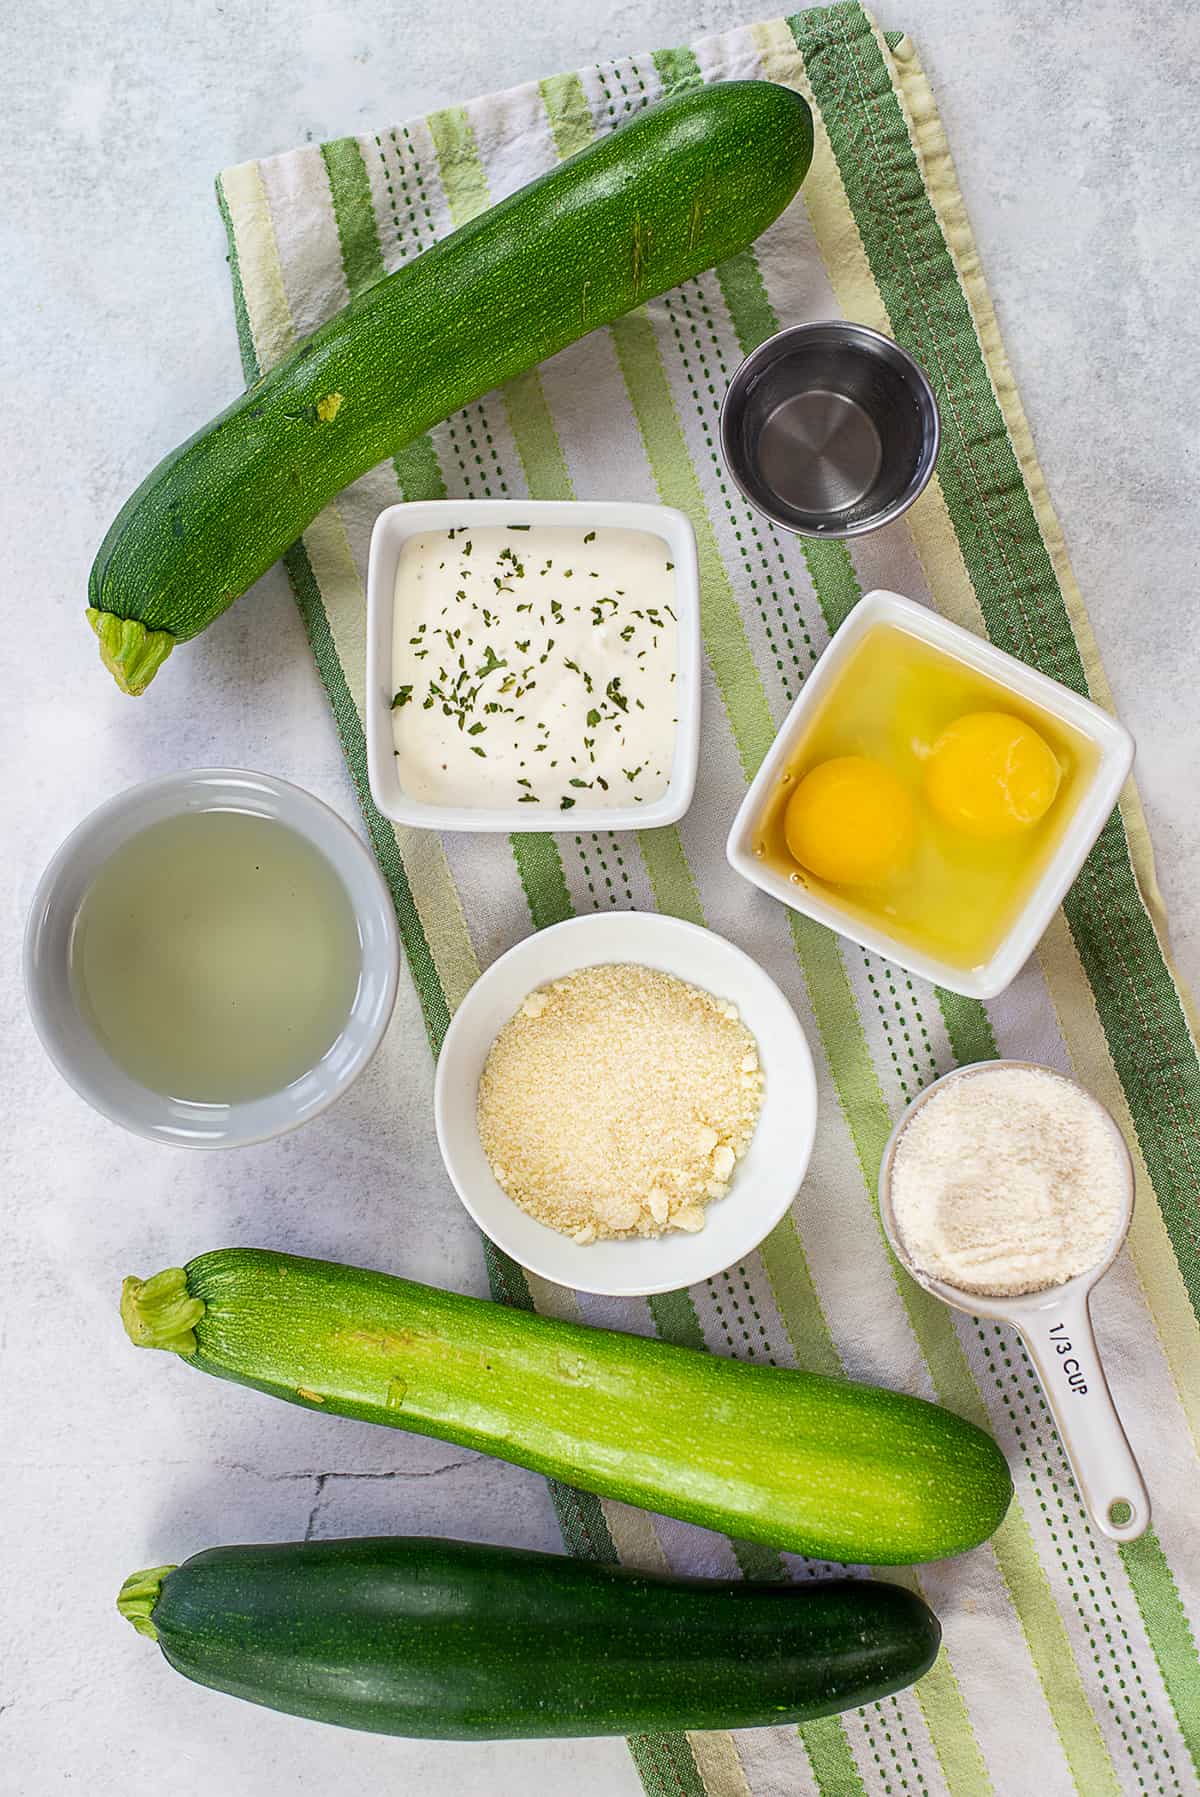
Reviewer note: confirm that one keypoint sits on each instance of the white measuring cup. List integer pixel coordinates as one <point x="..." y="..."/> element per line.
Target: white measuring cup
<point x="1056" y="1327"/>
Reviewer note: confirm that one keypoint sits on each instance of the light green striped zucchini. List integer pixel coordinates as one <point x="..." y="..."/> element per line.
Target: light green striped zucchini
<point x="817" y="1465"/>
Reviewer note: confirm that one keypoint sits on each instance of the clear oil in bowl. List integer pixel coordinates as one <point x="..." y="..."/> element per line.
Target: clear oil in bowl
<point x="216" y="956"/>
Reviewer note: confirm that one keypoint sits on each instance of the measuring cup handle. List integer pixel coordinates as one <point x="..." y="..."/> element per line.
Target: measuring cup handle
<point x="1063" y="1349"/>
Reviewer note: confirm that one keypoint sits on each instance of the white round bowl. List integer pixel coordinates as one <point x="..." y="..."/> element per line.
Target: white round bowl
<point x="71" y="1043"/>
<point x="766" y="1179"/>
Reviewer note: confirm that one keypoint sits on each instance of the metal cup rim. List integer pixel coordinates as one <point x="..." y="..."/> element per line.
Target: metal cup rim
<point x="768" y="351"/>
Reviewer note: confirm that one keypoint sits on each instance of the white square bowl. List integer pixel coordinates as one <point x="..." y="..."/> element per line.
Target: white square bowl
<point x="399" y="522"/>
<point x="1112" y="740"/>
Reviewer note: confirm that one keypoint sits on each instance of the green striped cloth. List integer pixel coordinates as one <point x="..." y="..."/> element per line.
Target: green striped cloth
<point x="1069" y="1665"/>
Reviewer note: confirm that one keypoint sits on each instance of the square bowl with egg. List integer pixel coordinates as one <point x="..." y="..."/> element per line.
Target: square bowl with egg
<point x="532" y="664"/>
<point x="930" y="797"/>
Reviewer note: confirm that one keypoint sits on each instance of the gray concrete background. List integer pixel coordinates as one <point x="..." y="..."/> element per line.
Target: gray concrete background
<point x="1078" y="148"/>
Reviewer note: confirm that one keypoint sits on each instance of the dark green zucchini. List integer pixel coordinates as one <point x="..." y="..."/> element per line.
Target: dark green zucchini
<point x="821" y="1466"/>
<point x="448" y="1639"/>
<point x="679" y="187"/>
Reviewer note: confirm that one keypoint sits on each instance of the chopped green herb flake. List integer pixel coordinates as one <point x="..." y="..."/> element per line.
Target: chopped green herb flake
<point x="403" y="695"/>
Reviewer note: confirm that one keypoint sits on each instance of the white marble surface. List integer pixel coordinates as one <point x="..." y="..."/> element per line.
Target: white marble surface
<point x="1077" y="143"/>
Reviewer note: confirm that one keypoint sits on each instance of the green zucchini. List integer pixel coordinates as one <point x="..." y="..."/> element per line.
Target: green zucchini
<point x="681" y="186"/>
<point x="816" y="1465"/>
<point x="452" y="1640"/>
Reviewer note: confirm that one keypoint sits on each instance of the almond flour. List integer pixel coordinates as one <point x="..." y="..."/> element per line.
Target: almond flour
<point x="618" y="1101"/>
<point x="1007" y="1180"/>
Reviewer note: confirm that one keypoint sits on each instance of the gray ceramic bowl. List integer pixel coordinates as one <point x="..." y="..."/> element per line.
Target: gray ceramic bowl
<point x="67" y="1037"/>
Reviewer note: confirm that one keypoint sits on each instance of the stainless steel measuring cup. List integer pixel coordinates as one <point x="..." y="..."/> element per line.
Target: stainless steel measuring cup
<point x="830" y="428"/>
<point x="1056" y="1327"/>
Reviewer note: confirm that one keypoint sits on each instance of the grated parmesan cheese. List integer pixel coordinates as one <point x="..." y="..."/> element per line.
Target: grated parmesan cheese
<point x="617" y="1102"/>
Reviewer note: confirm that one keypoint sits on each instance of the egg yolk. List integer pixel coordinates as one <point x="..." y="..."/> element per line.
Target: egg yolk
<point x="850" y="822"/>
<point x="991" y="775"/>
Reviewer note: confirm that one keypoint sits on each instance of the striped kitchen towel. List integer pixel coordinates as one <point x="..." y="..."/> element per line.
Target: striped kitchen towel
<point x="1069" y="1665"/>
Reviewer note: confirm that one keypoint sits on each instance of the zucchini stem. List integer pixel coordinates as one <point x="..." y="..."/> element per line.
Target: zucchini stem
<point x="138" y="1596"/>
<point x="131" y="653"/>
<point x="160" y="1312"/>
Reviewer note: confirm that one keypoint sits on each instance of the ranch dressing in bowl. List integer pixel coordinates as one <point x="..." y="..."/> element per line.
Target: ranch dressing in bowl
<point x="535" y="665"/>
